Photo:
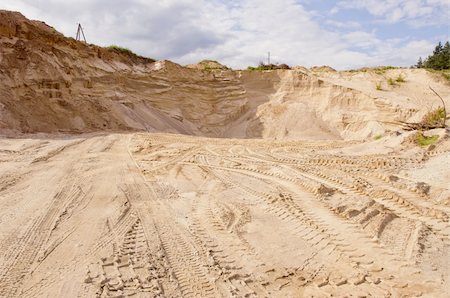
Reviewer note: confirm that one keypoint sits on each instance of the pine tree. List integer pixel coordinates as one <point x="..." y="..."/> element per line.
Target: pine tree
<point x="446" y="55"/>
<point x="438" y="49"/>
<point x="440" y="59"/>
<point x="419" y="63"/>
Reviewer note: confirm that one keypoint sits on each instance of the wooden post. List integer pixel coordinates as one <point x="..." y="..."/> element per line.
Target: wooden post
<point x="80" y="33"/>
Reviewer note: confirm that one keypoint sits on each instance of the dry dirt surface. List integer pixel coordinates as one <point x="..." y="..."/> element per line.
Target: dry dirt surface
<point x="124" y="176"/>
<point x="159" y="215"/>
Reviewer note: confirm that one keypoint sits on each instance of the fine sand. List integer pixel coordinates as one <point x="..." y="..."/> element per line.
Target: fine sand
<point x="178" y="216"/>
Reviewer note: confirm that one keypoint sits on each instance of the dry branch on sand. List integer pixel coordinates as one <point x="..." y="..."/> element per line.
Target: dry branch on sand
<point x="433" y="119"/>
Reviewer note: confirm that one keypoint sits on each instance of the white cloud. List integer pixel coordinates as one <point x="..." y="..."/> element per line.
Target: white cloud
<point x="237" y="33"/>
<point x="343" y="25"/>
<point x="361" y="39"/>
<point x="415" y="12"/>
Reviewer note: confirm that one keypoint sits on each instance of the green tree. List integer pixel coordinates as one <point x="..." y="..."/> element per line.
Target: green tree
<point x="438" y="49"/>
<point x="440" y="59"/>
<point x="419" y="63"/>
<point x="446" y="55"/>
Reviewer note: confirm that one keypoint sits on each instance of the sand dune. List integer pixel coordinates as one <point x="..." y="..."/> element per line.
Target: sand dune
<point x="124" y="176"/>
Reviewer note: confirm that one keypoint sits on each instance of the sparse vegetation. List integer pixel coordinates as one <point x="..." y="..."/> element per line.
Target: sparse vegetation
<point x="128" y="52"/>
<point x="378" y="70"/>
<point x="262" y="67"/>
<point x="120" y="49"/>
<point x="435" y="118"/>
<point x="423" y="140"/>
<point x="383" y="69"/>
<point x="211" y="65"/>
<point x="377" y="136"/>
<point x="378" y="86"/>
<point x="391" y="82"/>
<point x="445" y="73"/>
<point x="400" y="79"/>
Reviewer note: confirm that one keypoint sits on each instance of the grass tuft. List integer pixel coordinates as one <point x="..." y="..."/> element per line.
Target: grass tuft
<point x="125" y="51"/>
<point x="120" y="49"/>
<point x="423" y="140"/>
<point x="378" y="70"/>
<point x="434" y="118"/>
<point x="400" y="79"/>
<point x="383" y="69"/>
<point x="445" y="73"/>
<point x="378" y="86"/>
<point x="378" y="136"/>
<point x="391" y="82"/>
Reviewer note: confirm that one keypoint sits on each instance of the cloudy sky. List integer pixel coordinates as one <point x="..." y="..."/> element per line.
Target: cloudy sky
<point x="343" y="34"/>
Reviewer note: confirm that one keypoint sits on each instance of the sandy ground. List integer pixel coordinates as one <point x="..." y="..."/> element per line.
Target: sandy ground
<point x="168" y="215"/>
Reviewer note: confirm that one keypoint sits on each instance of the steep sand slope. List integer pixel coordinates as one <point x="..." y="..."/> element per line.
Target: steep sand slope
<point x="49" y="83"/>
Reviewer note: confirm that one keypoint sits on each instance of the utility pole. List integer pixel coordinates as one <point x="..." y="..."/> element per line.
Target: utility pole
<point x="80" y="33"/>
<point x="268" y="58"/>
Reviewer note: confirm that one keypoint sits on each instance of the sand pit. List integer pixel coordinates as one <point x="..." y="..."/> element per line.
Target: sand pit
<point x="128" y="177"/>
<point x="158" y="214"/>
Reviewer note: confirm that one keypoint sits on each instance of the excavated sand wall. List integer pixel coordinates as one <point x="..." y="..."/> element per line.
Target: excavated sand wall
<point x="50" y="83"/>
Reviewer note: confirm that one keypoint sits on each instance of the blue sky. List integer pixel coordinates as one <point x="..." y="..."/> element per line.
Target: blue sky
<point x="343" y="34"/>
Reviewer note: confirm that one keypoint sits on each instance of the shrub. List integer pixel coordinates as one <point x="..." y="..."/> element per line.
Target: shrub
<point x="262" y="67"/>
<point x="435" y="118"/>
<point x="400" y="79"/>
<point x="423" y="140"/>
<point x="284" y="66"/>
<point x="391" y="82"/>
<point x="378" y="86"/>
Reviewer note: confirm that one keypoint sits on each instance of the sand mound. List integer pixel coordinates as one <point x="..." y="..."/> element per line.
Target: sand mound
<point x="208" y="65"/>
<point x="323" y="68"/>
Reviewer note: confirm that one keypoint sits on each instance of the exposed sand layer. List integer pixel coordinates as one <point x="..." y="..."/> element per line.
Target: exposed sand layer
<point x="307" y="186"/>
<point x="49" y="83"/>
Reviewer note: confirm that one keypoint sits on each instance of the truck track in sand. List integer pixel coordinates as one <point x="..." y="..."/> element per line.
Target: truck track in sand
<point x="175" y="216"/>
